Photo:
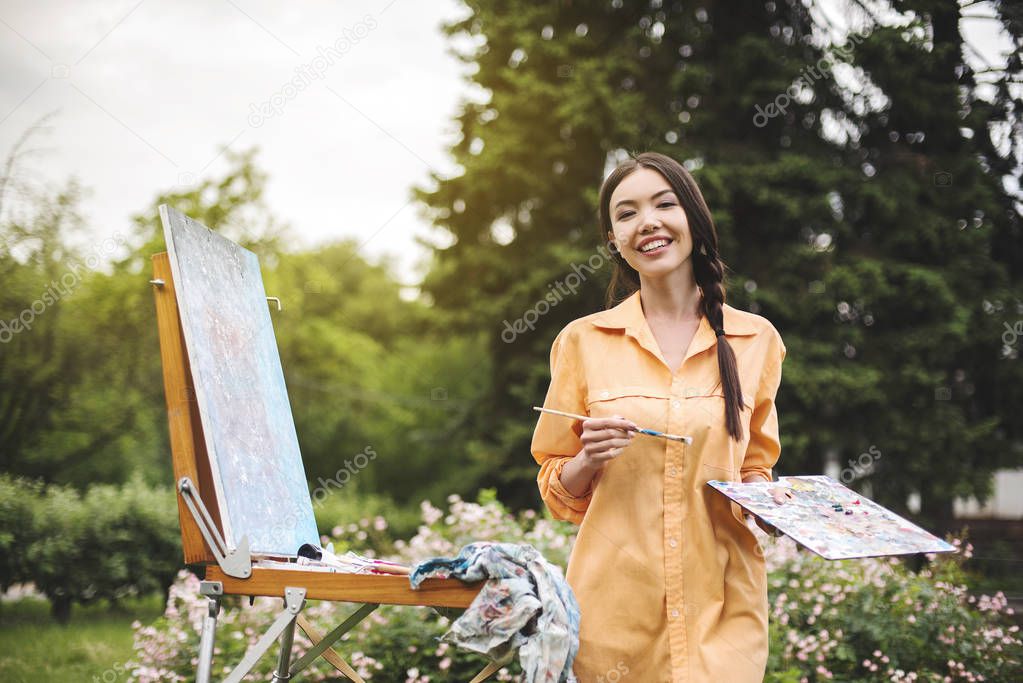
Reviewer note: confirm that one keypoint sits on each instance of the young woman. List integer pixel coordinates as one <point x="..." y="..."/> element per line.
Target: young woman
<point x="670" y="581"/>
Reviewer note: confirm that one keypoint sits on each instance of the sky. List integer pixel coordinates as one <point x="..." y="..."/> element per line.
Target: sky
<point x="144" y="95"/>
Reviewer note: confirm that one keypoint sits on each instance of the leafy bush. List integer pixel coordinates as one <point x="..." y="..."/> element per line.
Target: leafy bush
<point x="109" y="543"/>
<point x="868" y="620"/>
<point x="18" y="498"/>
<point x="856" y="620"/>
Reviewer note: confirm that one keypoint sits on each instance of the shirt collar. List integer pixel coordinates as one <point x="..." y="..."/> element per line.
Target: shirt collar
<point x="628" y="316"/>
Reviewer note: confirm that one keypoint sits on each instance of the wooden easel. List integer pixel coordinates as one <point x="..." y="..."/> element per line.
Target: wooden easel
<point x="219" y="577"/>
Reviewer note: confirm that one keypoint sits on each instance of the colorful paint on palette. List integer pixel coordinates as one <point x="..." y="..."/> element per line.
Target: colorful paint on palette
<point x="830" y="519"/>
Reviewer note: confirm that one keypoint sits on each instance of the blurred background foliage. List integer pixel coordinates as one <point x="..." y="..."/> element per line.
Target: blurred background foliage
<point x="82" y="391"/>
<point x="871" y="221"/>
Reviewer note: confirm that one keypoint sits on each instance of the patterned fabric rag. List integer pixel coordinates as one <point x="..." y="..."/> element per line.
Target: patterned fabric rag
<point x="526" y="604"/>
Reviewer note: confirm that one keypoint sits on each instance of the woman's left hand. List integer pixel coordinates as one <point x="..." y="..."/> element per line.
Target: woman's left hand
<point x="779" y="494"/>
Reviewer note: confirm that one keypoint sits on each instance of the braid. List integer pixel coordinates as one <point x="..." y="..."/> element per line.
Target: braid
<point x="710" y="272"/>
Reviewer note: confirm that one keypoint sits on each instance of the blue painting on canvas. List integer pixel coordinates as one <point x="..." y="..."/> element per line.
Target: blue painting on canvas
<point x="239" y="385"/>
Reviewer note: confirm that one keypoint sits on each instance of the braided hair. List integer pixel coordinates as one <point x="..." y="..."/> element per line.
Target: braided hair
<point x="708" y="268"/>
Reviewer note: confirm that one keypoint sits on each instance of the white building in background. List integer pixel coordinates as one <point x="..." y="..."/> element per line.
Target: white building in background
<point x="1005" y="502"/>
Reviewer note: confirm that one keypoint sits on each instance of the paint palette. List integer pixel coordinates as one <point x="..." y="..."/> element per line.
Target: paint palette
<point x="831" y="520"/>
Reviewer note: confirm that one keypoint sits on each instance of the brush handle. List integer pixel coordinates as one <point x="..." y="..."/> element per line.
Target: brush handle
<point x="648" y="432"/>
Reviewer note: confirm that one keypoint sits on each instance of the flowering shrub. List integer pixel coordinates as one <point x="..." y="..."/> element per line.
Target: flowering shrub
<point x="874" y="620"/>
<point x="855" y="620"/>
<point x="393" y="643"/>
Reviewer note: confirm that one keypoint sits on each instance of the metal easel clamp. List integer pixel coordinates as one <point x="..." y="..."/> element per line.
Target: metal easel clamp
<point x="211" y="589"/>
<point x="236" y="562"/>
<point x="293" y="599"/>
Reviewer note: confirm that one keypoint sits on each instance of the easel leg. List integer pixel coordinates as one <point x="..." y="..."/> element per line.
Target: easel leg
<point x="284" y="624"/>
<point x="284" y="659"/>
<point x="209" y="627"/>
<point x="492" y="668"/>
<point x="321" y="643"/>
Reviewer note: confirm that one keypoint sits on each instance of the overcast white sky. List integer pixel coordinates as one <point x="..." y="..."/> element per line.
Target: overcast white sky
<point x="147" y="93"/>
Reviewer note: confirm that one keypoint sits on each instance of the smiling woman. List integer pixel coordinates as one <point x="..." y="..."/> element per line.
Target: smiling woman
<point x="670" y="580"/>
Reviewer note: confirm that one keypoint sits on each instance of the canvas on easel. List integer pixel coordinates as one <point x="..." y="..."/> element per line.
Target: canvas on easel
<point x="833" y="521"/>
<point x="249" y="430"/>
<point x="242" y="491"/>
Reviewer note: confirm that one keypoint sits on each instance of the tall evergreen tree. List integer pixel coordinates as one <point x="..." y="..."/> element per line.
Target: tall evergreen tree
<point x="920" y="270"/>
<point x="826" y="165"/>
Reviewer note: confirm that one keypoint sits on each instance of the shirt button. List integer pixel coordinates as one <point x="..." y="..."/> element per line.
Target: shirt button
<point x="676" y="404"/>
<point x="673" y="472"/>
<point x="674" y="614"/>
<point x="672" y="542"/>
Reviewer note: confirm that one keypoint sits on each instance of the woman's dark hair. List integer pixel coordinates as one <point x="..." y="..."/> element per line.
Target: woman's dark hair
<point x="708" y="268"/>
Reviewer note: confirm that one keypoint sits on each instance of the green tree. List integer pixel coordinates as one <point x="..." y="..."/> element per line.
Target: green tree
<point x="81" y="393"/>
<point x="829" y="209"/>
<point x="918" y="270"/>
<point x="42" y="356"/>
<point x="367" y="369"/>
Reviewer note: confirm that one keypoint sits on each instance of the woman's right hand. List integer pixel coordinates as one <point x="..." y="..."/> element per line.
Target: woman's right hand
<point x="604" y="438"/>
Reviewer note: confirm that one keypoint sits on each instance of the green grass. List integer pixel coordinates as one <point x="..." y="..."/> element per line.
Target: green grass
<point x="94" y="646"/>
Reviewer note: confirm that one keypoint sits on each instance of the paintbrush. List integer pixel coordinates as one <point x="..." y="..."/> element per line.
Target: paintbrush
<point x="648" y="432"/>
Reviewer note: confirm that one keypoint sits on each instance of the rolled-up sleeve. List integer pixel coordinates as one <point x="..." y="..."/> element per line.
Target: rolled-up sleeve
<point x="764" y="443"/>
<point x="556" y="438"/>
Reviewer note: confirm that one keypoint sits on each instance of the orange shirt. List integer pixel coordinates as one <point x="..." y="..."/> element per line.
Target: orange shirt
<point x="670" y="581"/>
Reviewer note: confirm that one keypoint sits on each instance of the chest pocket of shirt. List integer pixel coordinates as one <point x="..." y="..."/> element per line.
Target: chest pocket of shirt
<point x="645" y="406"/>
<point x="707" y="417"/>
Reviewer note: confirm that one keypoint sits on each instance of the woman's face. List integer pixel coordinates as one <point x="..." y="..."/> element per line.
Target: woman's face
<point x="646" y="213"/>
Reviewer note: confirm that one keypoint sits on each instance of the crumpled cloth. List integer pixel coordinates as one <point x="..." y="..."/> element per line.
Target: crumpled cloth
<point x="525" y="604"/>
